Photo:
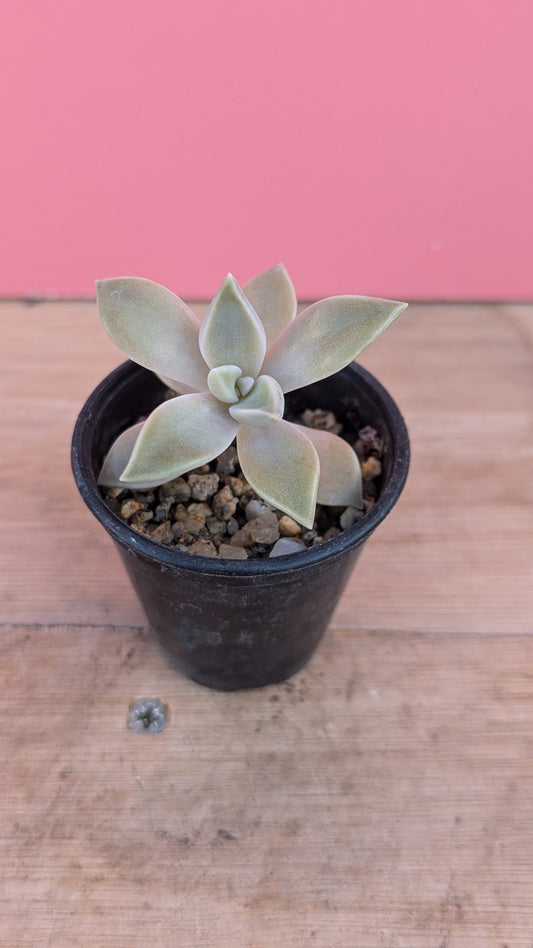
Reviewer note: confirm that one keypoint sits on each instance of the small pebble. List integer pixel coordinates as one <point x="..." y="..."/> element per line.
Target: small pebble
<point x="237" y="485"/>
<point x="288" y="527"/>
<point x="325" y="420"/>
<point x="180" y="512"/>
<point x="144" y="497"/>
<point x="216" y="527"/>
<point x="227" y="552"/>
<point x="254" y="508"/>
<point x="227" y="462"/>
<point x="264" y="528"/>
<point x="224" y="503"/>
<point x="129" y="508"/>
<point x="286" y="545"/>
<point x="115" y="492"/>
<point x="203" y="486"/>
<point x="199" y="511"/>
<point x="370" y="468"/>
<point x="203" y="548"/>
<point x="162" y="511"/>
<point x="163" y="533"/>
<point x="195" y="526"/>
<point x="178" y="489"/>
<point x="349" y="516"/>
<point x="332" y="532"/>
<point x="309" y="536"/>
<point x="368" y="440"/>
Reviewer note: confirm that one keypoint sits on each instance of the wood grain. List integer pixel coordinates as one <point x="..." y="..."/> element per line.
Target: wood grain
<point x="381" y="798"/>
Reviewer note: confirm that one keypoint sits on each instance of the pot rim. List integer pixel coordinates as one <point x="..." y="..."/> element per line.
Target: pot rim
<point x="171" y="559"/>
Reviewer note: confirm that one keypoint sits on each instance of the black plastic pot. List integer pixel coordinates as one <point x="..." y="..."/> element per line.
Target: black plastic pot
<point x="225" y="623"/>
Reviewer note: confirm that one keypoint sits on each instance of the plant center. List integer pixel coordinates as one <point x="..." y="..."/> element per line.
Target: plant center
<point x="255" y="402"/>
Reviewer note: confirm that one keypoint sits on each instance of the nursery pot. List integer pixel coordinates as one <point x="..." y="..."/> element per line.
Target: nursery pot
<point x="237" y="623"/>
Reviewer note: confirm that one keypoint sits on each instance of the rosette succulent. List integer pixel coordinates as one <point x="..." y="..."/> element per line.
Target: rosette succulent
<point x="232" y="371"/>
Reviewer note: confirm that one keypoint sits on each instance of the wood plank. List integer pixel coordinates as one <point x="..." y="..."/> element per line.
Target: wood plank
<point x="382" y="798"/>
<point x="454" y="555"/>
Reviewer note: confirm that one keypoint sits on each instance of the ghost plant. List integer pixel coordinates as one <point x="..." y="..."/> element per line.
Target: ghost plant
<point x="232" y="371"/>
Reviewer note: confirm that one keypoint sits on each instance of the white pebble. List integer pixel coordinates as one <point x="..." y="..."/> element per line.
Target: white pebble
<point x="254" y="509"/>
<point x="349" y="516"/>
<point x="286" y="545"/>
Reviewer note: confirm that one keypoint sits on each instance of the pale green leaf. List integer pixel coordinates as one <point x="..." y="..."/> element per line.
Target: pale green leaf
<point x="232" y="333"/>
<point x="327" y="336"/>
<point x="282" y="466"/>
<point x="154" y="327"/>
<point x="176" y="385"/>
<point x="340" y="483"/>
<point x="272" y="296"/>
<point x="263" y="405"/>
<point x="118" y="456"/>
<point x="245" y="385"/>
<point x="179" y="435"/>
<point x="221" y="382"/>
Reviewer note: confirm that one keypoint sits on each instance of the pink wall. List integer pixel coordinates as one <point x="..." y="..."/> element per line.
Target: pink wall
<point x="374" y="146"/>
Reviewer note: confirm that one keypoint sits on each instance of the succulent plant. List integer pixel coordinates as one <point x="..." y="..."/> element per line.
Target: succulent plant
<point x="232" y="371"/>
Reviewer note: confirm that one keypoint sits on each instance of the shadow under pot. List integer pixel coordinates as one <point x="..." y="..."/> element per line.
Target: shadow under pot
<point x="232" y="624"/>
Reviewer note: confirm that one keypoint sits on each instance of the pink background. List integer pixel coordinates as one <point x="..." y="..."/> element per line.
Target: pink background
<point x="378" y="147"/>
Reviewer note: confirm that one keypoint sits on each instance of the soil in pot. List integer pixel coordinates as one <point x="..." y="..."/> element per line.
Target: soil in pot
<point x="212" y="511"/>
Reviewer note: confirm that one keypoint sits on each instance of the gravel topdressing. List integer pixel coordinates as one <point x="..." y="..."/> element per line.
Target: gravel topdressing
<point x="212" y="511"/>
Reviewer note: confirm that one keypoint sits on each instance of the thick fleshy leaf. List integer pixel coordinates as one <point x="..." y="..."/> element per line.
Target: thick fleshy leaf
<point x="118" y="456"/>
<point x="179" y="435"/>
<point x="176" y="385"/>
<point x="340" y="482"/>
<point x="282" y="466"/>
<point x="221" y="382"/>
<point x="327" y="336"/>
<point x="232" y="333"/>
<point x="272" y="296"/>
<point x="264" y="404"/>
<point x="153" y="327"/>
<point x="245" y="385"/>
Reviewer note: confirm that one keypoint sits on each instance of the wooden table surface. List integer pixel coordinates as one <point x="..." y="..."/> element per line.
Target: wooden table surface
<point x="381" y="798"/>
